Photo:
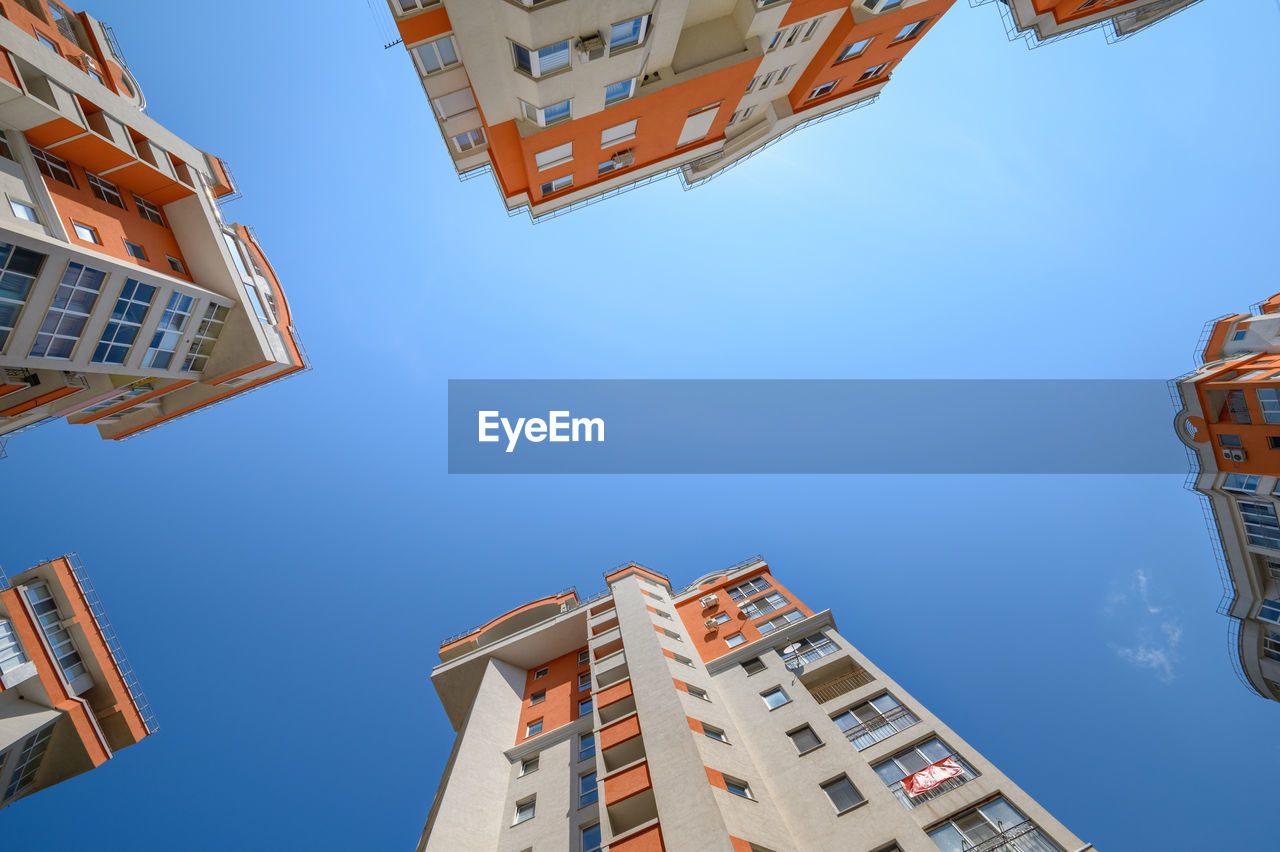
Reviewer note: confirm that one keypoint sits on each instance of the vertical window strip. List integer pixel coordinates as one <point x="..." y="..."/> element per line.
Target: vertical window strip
<point x="64" y="322"/>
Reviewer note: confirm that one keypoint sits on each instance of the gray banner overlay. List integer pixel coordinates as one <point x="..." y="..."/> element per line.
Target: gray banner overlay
<point x="813" y="426"/>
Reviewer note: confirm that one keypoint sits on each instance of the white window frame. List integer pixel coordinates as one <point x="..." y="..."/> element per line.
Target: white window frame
<point x="823" y="90"/>
<point x="537" y="60"/>
<point x="559" y="184"/>
<point x="526" y="809"/>
<point x="552" y="157"/>
<point x="639" y="40"/>
<point x="433" y="47"/>
<point x="25" y="211"/>
<point x="911" y="31"/>
<point x="631" y="91"/>
<point x="88" y="233"/>
<point x="538" y="115"/>
<point x="470" y="140"/>
<point x="853" y="51"/>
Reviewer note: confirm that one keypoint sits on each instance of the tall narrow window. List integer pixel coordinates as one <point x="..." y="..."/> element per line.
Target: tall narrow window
<point x="172" y="323"/>
<point x="24" y="772"/>
<point x="64" y="649"/>
<point x="126" y="320"/>
<point x="586" y="789"/>
<point x="586" y="746"/>
<point x="11" y="653"/>
<point x="72" y="304"/>
<point x="19" y="268"/>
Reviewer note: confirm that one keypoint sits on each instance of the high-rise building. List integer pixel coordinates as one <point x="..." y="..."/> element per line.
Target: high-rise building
<point x="68" y="697"/>
<point x="1230" y="422"/>
<point x="573" y="100"/>
<point x="724" y="717"/>
<point x="1040" y="21"/>
<point x="126" y="300"/>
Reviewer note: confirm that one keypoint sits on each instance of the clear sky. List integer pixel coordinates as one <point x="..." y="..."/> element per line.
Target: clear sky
<point x="281" y="568"/>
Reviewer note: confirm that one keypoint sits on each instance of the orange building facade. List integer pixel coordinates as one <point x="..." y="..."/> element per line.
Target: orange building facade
<point x="1041" y="21"/>
<point x="126" y="299"/>
<point x="1230" y="422"/>
<point x="724" y="716"/>
<point x="68" y="697"/>
<point x="572" y="100"/>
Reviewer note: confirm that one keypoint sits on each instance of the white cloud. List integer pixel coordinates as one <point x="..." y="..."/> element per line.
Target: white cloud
<point x="1153" y="642"/>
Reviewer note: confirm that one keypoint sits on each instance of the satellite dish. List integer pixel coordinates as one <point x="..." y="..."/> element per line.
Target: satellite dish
<point x="791" y="658"/>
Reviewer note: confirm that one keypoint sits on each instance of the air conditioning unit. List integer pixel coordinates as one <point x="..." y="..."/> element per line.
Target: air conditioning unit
<point x="1233" y="454"/>
<point x="712" y="624"/>
<point x="590" y="47"/>
<point x="708" y="601"/>
<point x="622" y="159"/>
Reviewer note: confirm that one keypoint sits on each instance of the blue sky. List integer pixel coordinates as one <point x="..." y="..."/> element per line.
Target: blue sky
<point x="281" y="568"/>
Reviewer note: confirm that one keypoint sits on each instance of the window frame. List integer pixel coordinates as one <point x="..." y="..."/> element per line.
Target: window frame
<point x="530" y="802"/>
<point x="786" y="699"/>
<point x="536" y="59"/>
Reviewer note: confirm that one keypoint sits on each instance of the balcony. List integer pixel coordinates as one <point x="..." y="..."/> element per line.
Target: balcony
<point x="832" y="681"/>
<point x="1023" y="837"/>
<point x="628" y="797"/>
<point x="872" y="732"/>
<point x="911" y="802"/>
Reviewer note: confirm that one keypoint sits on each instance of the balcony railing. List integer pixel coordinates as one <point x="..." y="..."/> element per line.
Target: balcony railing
<point x="910" y="802"/>
<point x="1023" y="837"/>
<point x="830" y="689"/>
<point x="763" y="607"/>
<point x="870" y="733"/>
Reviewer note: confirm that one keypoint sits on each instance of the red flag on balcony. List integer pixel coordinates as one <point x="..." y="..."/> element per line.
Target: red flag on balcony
<point x="931" y="776"/>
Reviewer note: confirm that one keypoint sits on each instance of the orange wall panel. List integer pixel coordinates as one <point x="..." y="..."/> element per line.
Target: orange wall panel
<point x="561" y="685"/>
<point x="710" y="643"/>
<point x="616" y="692"/>
<point x="647" y="840"/>
<point x="626" y="783"/>
<point x="620" y="731"/>
<point x="423" y="26"/>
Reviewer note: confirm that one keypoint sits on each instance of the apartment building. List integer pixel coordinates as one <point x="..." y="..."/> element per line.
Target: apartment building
<point x="565" y="101"/>
<point x="1041" y="21"/>
<point x="726" y="715"/>
<point x="68" y="697"/>
<point x="126" y="299"/>
<point x="1230" y="422"/>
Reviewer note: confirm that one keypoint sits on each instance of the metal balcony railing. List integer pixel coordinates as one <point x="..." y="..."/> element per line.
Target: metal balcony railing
<point x="1023" y="837"/>
<point x="911" y="802"/>
<point x="872" y="732"/>
<point x="836" y="687"/>
<point x="764" y="607"/>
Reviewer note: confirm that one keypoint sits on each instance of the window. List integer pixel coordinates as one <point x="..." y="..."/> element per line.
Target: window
<point x="736" y="787"/>
<point x="1270" y="646"/>
<point x="765" y="605"/>
<point x="125" y="322"/>
<point x="619" y="91"/>
<point x="910" y="30"/>
<point x="104" y="190"/>
<point x="24" y="211"/>
<point x="754" y="586"/>
<point x="591" y="838"/>
<point x="18" y="270"/>
<point x="875" y="71"/>
<point x="1260" y="524"/>
<point x="812" y="648"/>
<point x="813" y="28"/>
<point x="874" y="721"/>
<point x="48" y="42"/>
<point x="586" y="746"/>
<point x="533" y="728"/>
<point x="714" y="733"/>
<point x="1270" y="611"/>
<point x="464" y="142"/>
<point x="64" y="649"/>
<point x="1240" y="335"/>
<point x="584" y="657"/>
<point x="172" y="323"/>
<point x="5" y="151"/>
<point x="547" y="115"/>
<point x="538" y="697"/>
<point x="752" y="85"/>
<point x="1238" y="407"/>
<point x="618" y="133"/>
<point x="73" y="302"/>
<point x="529" y="764"/>
<point x="782" y="75"/>
<point x="684" y="661"/>
<point x="557" y="185"/>
<point x="697" y="692"/>
<point x="455" y="103"/>
<point x="793" y="35"/>
<point x="1273" y="567"/>
<point x="775" y="697"/>
<point x="721" y="618"/>
<point x="735" y="640"/>
<point x="628" y="33"/>
<point x="53" y="167"/>
<point x="136" y="251"/>
<point x="525" y="809"/>
<point x="843" y="795"/>
<point x="206" y="336"/>
<point x="767" y="79"/>
<point x="852" y="50"/>
<point x="544" y="60"/>
<point x="540" y="673"/>
<point x="753" y="666"/>
<point x="24" y="772"/>
<point x="584" y="707"/>
<point x="584" y="681"/>
<point x="1229" y="441"/>
<point x="1269" y="402"/>
<point x="779" y="621"/>
<point x="148" y="211"/>
<point x="773" y="42"/>
<point x="1245" y="483"/>
<point x="86" y="233"/>
<point x="904" y="776"/>
<point x="436" y="55"/>
<point x="11" y="653"/>
<point x="586" y="789"/>
<point x="995" y="825"/>
<point x="804" y="739"/>
<point x="552" y="157"/>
